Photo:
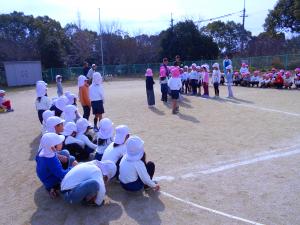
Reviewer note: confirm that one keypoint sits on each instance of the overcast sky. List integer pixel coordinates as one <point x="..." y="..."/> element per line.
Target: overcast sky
<point x="149" y="17"/>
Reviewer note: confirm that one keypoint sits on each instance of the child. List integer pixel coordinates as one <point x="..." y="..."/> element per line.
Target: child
<point x="96" y="94"/>
<point x="278" y="81"/>
<point x="104" y="137"/>
<point x="194" y="79"/>
<point x="72" y="99"/>
<point x="48" y="167"/>
<point x="55" y="124"/>
<point x="163" y="80"/>
<point x="216" y="78"/>
<point x="149" y="88"/>
<point x="59" y="105"/>
<point x="185" y="83"/>
<point x="42" y="102"/>
<point x="135" y="173"/>
<point x="70" y="113"/>
<point x="84" y="98"/>
<point x="117" y="149"/>
<point x="46" y="115"/>
<point x="205" y="77"/>
<point x="72" y="144"/>
<point x="175" y="84"/>
<point x="59" y="86"/>
<point x="288" y="82"/>
<point x="82" y="127"/>
<point x="236" y="78"/>
<point x="85" y="183"/>
<point x="254" y="80"/>
<point x="244" y="69"/>
<point x="229" y="80"/>
<point x="199" y="70"/>
<point x="297" y="78"/>
<point x="5" y="103"/>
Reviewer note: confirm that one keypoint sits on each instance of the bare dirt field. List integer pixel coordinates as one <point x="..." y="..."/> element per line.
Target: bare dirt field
<point x="225" y="161"/>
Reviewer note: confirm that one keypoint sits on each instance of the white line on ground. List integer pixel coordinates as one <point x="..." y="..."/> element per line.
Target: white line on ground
<point x="209" y="209"/>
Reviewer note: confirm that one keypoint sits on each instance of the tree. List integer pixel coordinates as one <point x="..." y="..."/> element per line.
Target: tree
<point x="285" y="17"/>
<point x="186" y="40"/>
<point x="229" y="36"/>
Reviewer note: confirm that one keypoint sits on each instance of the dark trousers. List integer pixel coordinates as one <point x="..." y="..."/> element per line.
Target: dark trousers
<point x="164" y="92"/>
<point x="205" y="87"/>
<point x="40" y="115"/>
<point x="86" y="112"/>
<point x="216" y="87"/>
<point x="77" y="151"/>
<point x="150" y="97"/>
<point x="186" y="84"/>
<point x="138" y="184"/>
<point x="194" y="86"/>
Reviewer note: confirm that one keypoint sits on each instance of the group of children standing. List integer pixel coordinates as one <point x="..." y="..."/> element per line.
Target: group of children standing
<point x="76" y="161"/>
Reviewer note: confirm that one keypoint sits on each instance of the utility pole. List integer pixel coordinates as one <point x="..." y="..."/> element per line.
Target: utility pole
<point x="172" y="22"/>
<point x="79" y="20"/>
<point x="101" y="46"/>
<point x="244" y="31"/>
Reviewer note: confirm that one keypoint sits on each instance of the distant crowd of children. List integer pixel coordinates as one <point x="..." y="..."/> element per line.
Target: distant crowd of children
<point x="75" y="160"/>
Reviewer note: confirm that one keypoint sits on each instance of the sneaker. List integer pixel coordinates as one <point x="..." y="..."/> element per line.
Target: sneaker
<point x="9" y="110"/>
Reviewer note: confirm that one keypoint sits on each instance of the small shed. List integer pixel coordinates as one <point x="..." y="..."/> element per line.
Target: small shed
<point x="20" y="73"/>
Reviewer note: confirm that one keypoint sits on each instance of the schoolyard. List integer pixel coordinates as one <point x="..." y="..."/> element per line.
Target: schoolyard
<point x="225" y="161"/>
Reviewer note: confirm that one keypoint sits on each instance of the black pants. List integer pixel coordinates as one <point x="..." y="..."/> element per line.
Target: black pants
<point x="186" y="84"/>
<point x="194" y="84"/>
<point x="86" y="112"/>
<point x="216" y="87"/>
<point x="77" y="151"/>
<point x="150" y="97"/>
<point x="40" y="115"/>
<point x="150" y="166"/>
<point x="164" y="92"/>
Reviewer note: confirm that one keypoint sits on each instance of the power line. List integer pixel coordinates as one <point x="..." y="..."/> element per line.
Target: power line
<point x="219" y="17"/>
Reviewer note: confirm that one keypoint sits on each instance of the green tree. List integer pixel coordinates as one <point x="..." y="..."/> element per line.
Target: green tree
<point x="186" y="40"/>
<point x="284" y="17"/>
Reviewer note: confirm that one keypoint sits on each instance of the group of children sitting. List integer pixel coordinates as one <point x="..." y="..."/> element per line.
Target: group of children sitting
<point x="274" y="78"/>
<point x="5" y="105"/>
<point x="76" y="161"/>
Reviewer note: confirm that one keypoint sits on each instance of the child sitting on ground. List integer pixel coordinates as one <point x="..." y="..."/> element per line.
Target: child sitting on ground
<point x="254" y="79"/>
<point x="82" y="127"/>
<point x="288" y="81"/>
<point x="297" y="78"/>
<point x="104" y="137"/>
<point x="5" y="104"/>
<point x="46" y="115"/>
<point x="236" y="78"/>
<point x="135" y="173"/>
<point x="48" y="167"/>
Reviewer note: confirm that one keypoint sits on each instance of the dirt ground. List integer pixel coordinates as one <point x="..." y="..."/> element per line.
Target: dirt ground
<point x="225" y="161"/>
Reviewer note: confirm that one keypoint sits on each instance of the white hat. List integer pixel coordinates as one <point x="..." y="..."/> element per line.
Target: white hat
<point x="58" y="76"/>
<point x="106" y="129"/>
<point x="82" y="124"/>
<point x="216" y="65"/>
<point x="194" y="65"/>
<point x="229" y="67"/>
<point x="107" y="167"/>
<point x="97" y="78"/>
<point x="71" y="97"/>
<point x="46" y="114"/>
<point x="61" y="102"/>
<point x="51" y="139"/>
<point x="67" y="93"/>
<point x="2" y="91"/>
<point x="206" y="67"/>
<point x="121" y="132"/>
<point x="93" y="65"/>
<point x="41" y="89"/>
<point x="135" y="148"/>
<point x="41" y="82"/>
<point x="70" y="113"/>
<point x="52" y="121"/>
<point x="81" y="80"/>
<point x="69" y="128"/>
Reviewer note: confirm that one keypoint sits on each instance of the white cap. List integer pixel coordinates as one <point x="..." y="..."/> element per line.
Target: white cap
<point x="107" y="167"/>
<point x="93" y="65"/>
<point x="69" y="128"/>
<point x="71" y="97"/>
<point x="216" y="65"/>
<point x="106" y="129"/>
<point x="135" y="148"/>
<point x="2" y="91"/>
<point x="46" y="114"/>
<point x="61" y="102"/>
<point x="82" y="124"/>
<point x="121" y="132"/>
<point x="194" y="65"/>
<point x="52" y="121"/>
<point x="51" y="139"/>
<point x="97" y="78"/>
<point x="81" y="80"/>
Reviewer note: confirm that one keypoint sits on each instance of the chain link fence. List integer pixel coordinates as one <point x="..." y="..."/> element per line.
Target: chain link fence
<point x="263" y="63"/>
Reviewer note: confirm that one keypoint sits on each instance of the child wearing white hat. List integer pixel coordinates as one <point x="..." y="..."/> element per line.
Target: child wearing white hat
<point x="46" y="114"/>
<point x="85" y="183"/>
<point x="59" y="86"/>
<point x="96" y="94"/>
<point x="73" y="145"/>
<point x="216" y="78"/>
<point x="59" y="105"/>
<point x="229" y="80"/>
<point x="42" y="102"/>
<point x="104" y="137"/>
<point x="70" y="113"/>
<point x="135" y="173"/>
<point x="82" y="127"/>
<point x="5" y="104"/>
<point x="48" y="167"/>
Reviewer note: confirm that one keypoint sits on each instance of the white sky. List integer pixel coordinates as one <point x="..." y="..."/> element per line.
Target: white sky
<point x="136" y="17"/>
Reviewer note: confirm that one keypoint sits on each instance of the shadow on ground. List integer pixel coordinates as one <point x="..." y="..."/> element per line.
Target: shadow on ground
<point x="34" y="147"/>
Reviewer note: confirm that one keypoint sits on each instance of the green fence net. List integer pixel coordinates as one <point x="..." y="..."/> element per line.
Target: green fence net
<point x="263" y="63"/>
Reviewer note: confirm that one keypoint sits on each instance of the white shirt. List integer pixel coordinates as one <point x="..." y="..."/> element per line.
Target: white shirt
<point x="216" y="76"/>
<point x="86" y="141"/>
<point x="81" y="173"/>
<point x="194" y="75"/>
<point x="130" y="171"/>
<point x="174" y="83"/>
<point x="114" y="153"/>
<point x="244" y="70"/>
<point x="90" y="73"/>
<point x="44" y="104"/>
<point x="71" y="140"/>
<point x="96" y="92"/>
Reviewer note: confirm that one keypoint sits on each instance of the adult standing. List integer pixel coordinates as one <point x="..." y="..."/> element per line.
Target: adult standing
<point x="91" y="72"/>
<point x="163" y="79"/>
<point x="85" y="68"/>
<point x="178" y="61"/>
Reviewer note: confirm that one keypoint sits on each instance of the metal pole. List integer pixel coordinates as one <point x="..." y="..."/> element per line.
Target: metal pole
<point x="101" y="46"/>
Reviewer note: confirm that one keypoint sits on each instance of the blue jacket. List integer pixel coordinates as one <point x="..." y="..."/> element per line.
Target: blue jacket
<point x="50" y="171"/>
